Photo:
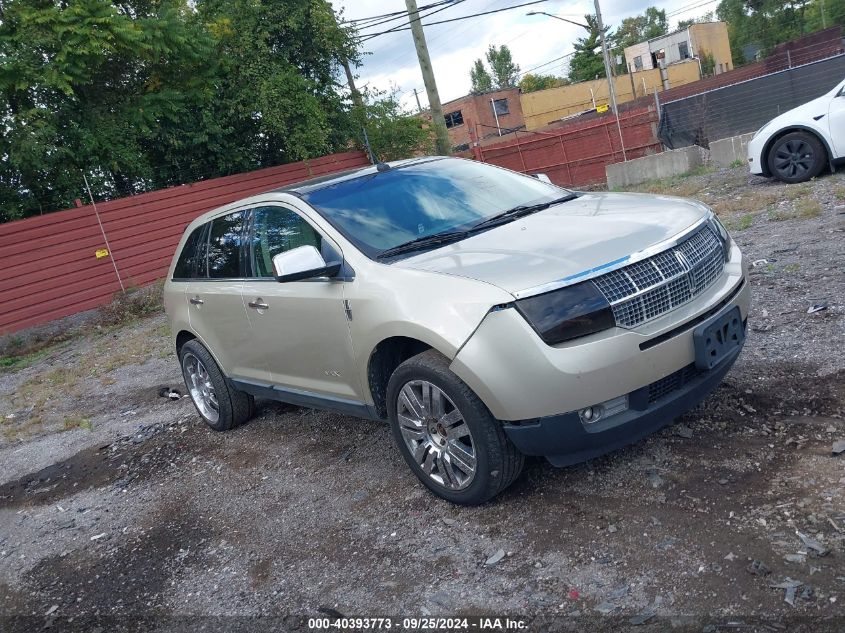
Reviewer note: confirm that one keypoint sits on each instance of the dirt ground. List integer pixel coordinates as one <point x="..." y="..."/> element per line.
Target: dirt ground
<point x="119" y="505"/>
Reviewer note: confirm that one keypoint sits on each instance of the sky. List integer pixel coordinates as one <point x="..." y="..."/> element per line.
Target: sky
<point x="390" y="61"/>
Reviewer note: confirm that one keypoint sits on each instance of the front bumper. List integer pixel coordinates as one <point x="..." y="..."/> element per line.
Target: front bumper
<point x="564" y="439"/>
<point x="519" y="377"/>
<point x="755" y="155"/>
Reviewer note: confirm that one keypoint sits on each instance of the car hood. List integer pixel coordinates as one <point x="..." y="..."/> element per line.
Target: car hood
<point x="563" y="242"/>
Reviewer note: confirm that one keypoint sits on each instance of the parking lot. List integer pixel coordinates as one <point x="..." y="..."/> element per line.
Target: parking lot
<point x="117" y="501"/>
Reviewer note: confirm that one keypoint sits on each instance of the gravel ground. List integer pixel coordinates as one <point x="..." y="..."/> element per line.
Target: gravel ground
<point x="118" y="504"/>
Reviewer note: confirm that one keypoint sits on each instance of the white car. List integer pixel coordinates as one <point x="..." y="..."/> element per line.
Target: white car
<point x="798" y="144"/>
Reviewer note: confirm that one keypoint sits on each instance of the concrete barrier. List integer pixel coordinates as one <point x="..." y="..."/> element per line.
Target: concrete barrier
<point x="654" y="167"/>
<point x="728" y="150"/>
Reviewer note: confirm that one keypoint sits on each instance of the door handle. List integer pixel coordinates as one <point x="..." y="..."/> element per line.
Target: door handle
<point x="258" y="304"/>
<point x="196" y="301"/>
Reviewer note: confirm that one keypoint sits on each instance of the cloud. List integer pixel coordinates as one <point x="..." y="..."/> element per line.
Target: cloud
<point x="453" y="47"/>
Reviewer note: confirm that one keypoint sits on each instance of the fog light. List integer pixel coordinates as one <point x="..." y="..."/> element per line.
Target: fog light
<point x="603" y="410"/>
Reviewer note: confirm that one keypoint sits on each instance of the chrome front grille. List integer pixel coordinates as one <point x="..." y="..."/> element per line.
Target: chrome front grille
<point x="652" y="287"/>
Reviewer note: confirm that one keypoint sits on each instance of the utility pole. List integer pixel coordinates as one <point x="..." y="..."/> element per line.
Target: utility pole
<point x="442" y="137"/>
<point x="350" y="79"/>
<point x="611" y="84"/>
<point x="417" y="97"/>
<point x="606" y="55"/>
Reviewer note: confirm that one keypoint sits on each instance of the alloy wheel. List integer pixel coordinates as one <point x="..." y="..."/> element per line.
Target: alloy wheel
<point x="436" y="434"/>
<point x="793" y="158"/>
<point x="200" y="387"/>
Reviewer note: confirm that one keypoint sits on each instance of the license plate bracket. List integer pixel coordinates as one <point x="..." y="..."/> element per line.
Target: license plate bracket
<point x="717" y="338"/>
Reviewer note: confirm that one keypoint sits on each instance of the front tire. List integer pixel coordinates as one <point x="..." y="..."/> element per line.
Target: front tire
<point x="796" y="157"/>
<point x="448" y="437"/>
<point x="219" y="404"/>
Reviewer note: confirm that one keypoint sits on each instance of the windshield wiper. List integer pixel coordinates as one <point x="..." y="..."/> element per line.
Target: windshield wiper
<point x="520" y="211"/>
<point x="423" y="242"/>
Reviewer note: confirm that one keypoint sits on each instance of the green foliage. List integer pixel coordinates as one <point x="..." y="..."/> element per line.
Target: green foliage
<point x="144" y="94"/>
<point x="503" y="69"/>
<point x="393" y="134"/>
<point x="708" y="63"/>
<point x="531" y="82"/>
<point x="768" y="23"/>
<point x="587" y="62"/>
<point x="639" y="28"/>
<point x="480" y="78"/>
<point x="707" y="17"/>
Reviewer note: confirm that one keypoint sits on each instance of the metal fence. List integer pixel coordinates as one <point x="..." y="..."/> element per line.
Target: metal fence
<point x="745" y="106"/>
<point x="58" y="264"/>
<point x="576" y="154"/>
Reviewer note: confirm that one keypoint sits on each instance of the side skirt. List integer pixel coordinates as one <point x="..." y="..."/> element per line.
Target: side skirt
<point x="307" y="399"/>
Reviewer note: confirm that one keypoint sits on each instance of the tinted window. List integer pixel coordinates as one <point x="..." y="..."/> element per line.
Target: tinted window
<point x="381" y="210"/>
<point x="186" y="266"/>
<point x="275" y="231"/>
<point x="501" y="106"/>
<point x="224" y="246"/>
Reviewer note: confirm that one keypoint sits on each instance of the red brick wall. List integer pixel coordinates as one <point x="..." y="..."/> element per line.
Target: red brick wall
<point x="50" y="269"/>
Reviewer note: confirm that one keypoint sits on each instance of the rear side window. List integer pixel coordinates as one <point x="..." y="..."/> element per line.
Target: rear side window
<point x="224" y="246"/>
<point x="275" y="231"/>
<point x="186" y="266"/>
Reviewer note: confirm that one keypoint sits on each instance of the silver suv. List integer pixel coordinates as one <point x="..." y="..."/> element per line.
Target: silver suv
<point x="486" y="314"/>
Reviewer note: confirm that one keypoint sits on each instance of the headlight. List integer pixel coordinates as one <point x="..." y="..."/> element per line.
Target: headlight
<point x="568" y="313"/>
<point x="721" y="233"/>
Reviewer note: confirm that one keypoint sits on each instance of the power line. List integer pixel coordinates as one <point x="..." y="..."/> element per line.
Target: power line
<point x="463" y="17"/>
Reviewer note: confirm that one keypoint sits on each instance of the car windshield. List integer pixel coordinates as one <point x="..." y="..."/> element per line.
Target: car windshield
<point x="380" y="211"/>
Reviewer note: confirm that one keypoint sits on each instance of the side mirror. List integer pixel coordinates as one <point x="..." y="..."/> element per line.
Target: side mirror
<point x="541" y="178"/>
<point x="303" y="262"/>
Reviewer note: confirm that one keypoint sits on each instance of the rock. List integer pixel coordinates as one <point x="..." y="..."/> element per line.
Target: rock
<point x="606" y="608"/>
<point x="730" y="556"/>
<point x="99" y="536"/>
<point x="666" y="544"/>
<point x="723" y="482"/>
<point x="360" y="495"/>
<point x="495" y="558"/>
<point x="655" y="479"/>
<point x="642" y="617"/>
<point x="611" y="528"/>
<point x="813" y="544"/>
<point x="757" y="568"/>
<point x="795" y="558"/>
<point x="838" y="447"/>
<point x="681" y="430"/>
<point x="52" y="609"/>
<point x="449" y="522"/>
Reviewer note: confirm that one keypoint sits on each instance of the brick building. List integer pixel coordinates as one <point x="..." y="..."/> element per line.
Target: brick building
<point x="484" y="115"/>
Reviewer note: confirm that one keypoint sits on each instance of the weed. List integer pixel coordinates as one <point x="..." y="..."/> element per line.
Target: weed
<point x="132" y="305"/>
<point x="76" y="422"/>
<point x="792" y="268"/>
<point x="737" y="163"/>
<point x="744" y="222"/>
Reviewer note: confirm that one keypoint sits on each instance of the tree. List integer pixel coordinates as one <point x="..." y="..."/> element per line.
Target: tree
<point x="480" y="78"/>
<point x="587" y="62"/>
<point x="532" y="83"/>
<point x="392" y="132"/>
<point x="640" y="28"/>
<point x="90" y="86"/>
<point x="633" y="30"/>
<point x="143" y="94"/>
<point x="504" y="71"/>
<point x="685" y="24"/>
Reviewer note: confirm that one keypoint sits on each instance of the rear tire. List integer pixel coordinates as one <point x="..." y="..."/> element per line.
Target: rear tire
<point x="448" y="437"/>
<point x="219" y="404"/>
<point x="796" y="157"/>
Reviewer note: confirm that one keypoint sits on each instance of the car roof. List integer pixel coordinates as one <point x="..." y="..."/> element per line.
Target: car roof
<point x="314" y="184"/>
